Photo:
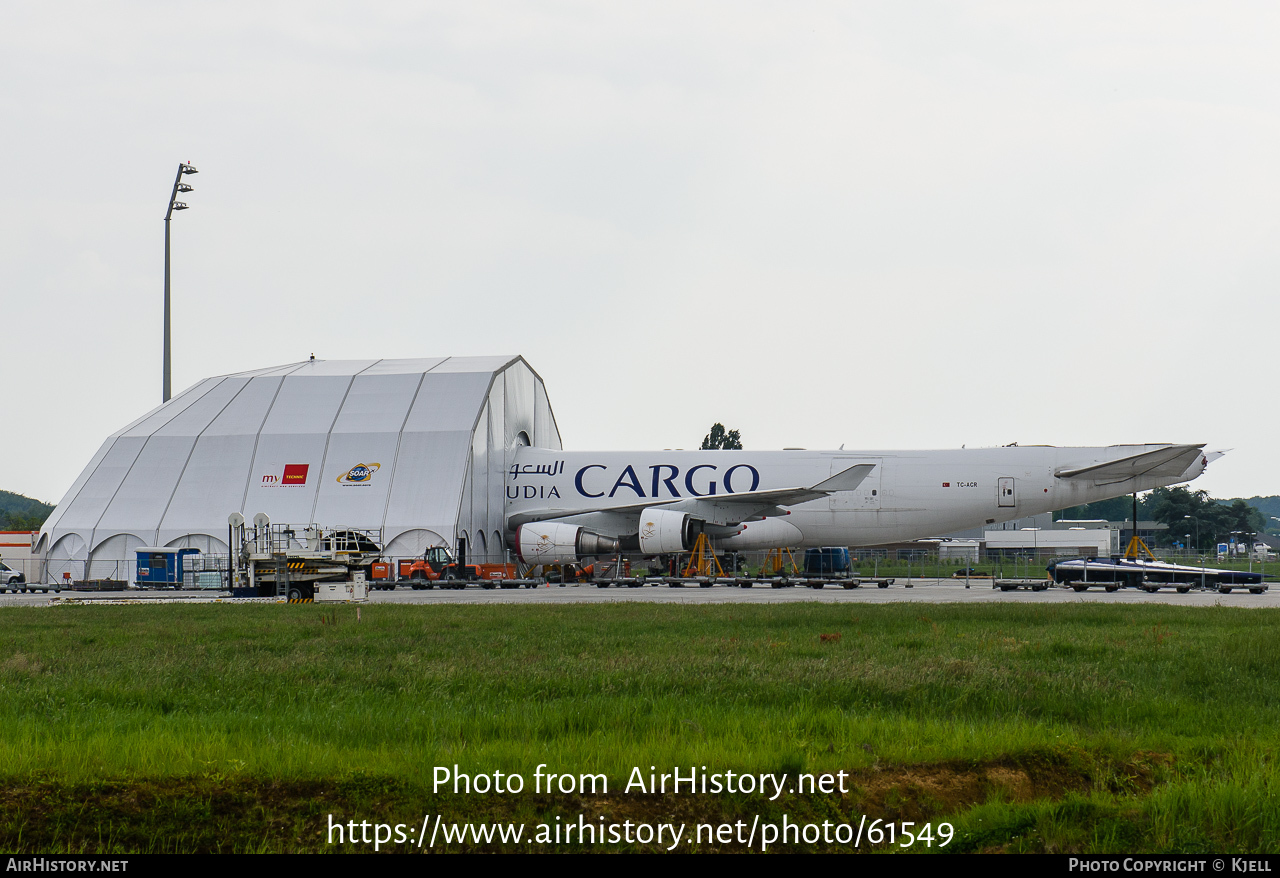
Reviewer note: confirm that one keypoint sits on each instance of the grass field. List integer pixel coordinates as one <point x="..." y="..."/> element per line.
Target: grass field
<point x="1029" y="727"/>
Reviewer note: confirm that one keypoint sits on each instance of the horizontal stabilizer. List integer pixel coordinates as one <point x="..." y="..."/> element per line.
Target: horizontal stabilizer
<point x="1167" y="462"/>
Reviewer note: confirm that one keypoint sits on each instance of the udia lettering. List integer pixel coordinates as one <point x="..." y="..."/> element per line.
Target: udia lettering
<point x="531" y="492"/>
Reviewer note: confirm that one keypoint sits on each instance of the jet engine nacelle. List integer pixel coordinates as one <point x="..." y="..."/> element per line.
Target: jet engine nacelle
<point x="768" y="534"/>
<point x="663" y="531"/>
<point x="550" y="542"/>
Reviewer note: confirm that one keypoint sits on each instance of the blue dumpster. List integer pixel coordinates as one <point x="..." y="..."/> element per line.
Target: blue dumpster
<point x="827" y="560"/>
<point x="161" y="567"/>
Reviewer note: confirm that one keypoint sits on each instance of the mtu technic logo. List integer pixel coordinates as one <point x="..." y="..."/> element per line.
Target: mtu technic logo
<point x="294" y="474"/>
<point x="360" y="474"/>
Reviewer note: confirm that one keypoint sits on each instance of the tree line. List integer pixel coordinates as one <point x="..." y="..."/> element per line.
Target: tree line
<point x="1184" y="512"/>
<point x="22" y="513"/>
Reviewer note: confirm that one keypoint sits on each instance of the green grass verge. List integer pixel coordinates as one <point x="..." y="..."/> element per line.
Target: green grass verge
<point x="1077" y="727"/>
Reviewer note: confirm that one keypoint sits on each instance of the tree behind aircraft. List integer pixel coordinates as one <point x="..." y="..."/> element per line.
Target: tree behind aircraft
<point x="718" y="438"/>
<point x="1208" y="521"/>
<point x="1183" y="511"/>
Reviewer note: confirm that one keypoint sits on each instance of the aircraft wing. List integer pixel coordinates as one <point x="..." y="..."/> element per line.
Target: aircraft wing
<point x="725" y="509"/>
<point x="1163" y="462"/>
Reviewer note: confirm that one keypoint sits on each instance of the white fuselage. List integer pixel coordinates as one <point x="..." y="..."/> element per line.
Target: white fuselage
<point x="908" y="495"/>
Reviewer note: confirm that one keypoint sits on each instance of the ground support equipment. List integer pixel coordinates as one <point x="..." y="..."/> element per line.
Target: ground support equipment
<point x="99" y="585"/>
<point x="1107" y="584"/>
<point x="882" y="582"/>
<point x="1015" y="584"/>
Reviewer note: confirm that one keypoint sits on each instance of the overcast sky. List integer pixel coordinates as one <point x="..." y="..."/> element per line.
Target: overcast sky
<point x="883" y="225"/>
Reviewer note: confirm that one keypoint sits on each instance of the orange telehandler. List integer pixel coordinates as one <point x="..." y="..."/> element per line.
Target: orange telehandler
<point x="438" y="567"/>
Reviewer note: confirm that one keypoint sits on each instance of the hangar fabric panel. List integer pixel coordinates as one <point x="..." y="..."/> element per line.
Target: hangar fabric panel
<point x="414" y="448"/>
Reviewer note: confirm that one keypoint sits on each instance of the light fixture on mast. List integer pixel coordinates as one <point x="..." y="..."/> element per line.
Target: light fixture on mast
<point x="179" y="186"/>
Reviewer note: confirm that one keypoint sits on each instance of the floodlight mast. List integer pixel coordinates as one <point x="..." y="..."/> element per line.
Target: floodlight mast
<point x="174" y="204"/>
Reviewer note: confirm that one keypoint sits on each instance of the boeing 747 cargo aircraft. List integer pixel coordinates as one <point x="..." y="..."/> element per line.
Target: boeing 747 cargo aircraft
<point x="565" y="505"/>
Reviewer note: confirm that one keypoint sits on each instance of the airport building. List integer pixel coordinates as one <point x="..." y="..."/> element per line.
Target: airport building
<point x="414" y="449"/>
<point x="1077" y="540"/>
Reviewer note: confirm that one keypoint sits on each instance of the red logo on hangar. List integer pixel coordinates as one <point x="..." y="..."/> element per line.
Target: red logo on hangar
<point x="294" y="474"/>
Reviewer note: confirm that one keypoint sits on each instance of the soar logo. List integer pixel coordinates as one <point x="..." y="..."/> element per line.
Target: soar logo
<point x="360" y="474"/>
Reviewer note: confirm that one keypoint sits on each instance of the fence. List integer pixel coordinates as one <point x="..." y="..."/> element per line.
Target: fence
<point x="202" y="570"/>
<point x="212" y="571"/>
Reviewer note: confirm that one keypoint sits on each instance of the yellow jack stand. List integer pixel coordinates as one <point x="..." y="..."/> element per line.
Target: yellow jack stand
<point x="1137" y="548"/>
<point x="776" y="560"/>
<point x="703" y="561"/>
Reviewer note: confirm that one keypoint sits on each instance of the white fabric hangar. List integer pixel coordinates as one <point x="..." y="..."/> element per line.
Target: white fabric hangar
<point x="416" y="448"/>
